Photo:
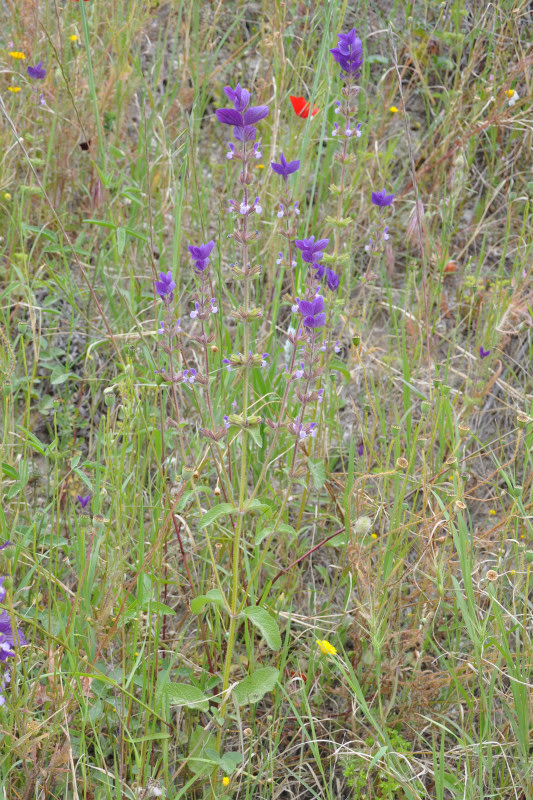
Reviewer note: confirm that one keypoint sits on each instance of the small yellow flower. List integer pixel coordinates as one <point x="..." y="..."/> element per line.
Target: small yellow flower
<point x="225" y="781"/>
<point x="373" y="536"/>
<point x="6" y="196"/>
<point x="393" y="110"/>
<point x="14" y="89"/>
<point x="509" y="92"/>
<point x="74" y="38"/>
<point x="16" y="54"/>
<point x="260" y="166"/>
<point x="326" y="647"/>
<point x="492" y="513"/>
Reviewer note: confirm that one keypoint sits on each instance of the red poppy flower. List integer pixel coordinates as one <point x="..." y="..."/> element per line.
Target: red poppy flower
<point x="302" y="106"/>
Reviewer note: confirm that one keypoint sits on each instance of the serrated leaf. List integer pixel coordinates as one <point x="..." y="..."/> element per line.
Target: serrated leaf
<point x="212" y="596"/>
<point x="266" y="624"/>
<point x="318" y="472"/>
<point x="182" y="694"/>
<point x="254" y="687"/>
<point x="282" y="527"/>
<point x="214" y="513"/>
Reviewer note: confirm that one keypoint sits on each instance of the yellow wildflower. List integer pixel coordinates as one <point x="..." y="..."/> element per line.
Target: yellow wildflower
<point x="74" y="38"/>
<point x="6" y="196"/>
<point x="14" y="89"/>
<point x="326" y="647"/>
<point x="260" y="166"/>
<point x="393" y="110"/>
<point x="509" y="92"/>
<point x="16" y="54"/>
<point x="492" y="513"/>
<point x="225" y="781"/>
<point x="373" y="536"/>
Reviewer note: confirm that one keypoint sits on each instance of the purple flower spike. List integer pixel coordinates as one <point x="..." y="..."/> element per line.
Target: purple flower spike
<point x="285" y="168"/>
<point x="313" y="312"/>
<point x="38" y="72"/>
<point x="240" y="116"/>
<point x="483" y="353"/>
<point x="361" y="449"/>
<point x="83" y="501"/>
<point x="200" y="256"/>
<point x="382" y="199"/>
<point x="7" y="637"/>
<point x="349" y="53"/>
<point x="165" y="285"/>
<point x="312" y="251"/>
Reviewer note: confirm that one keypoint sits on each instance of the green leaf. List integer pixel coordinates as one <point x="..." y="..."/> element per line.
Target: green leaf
<point x="254" y="687"/>
<point x="199" y="743"/>
<point x="281" y="527"/>
<point x="182" y="694"/>
<point x="318" y="472"/>
<point x="257" y="505"/>
<point x="121" y="240"/>
<point x="10" y="471"/>
<point x="214" y="513"/>
<point x="255" y="433"/>
<point x="340" y="367"/>
<point x="266" y="624"/>
<point x="230" y="761"/>
<point x="212" y="596"/>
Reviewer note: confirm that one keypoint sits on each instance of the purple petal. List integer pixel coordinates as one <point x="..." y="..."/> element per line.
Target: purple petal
<point x="254" y="114"/>
<point x="229" y="117"/>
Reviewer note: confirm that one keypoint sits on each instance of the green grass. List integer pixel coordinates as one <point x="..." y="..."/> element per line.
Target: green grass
<point x="428" y="605"/>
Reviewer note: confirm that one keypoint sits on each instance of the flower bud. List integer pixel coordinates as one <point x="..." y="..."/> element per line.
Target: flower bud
<point x="109" y="397"/>
<point x="402" y="463"/>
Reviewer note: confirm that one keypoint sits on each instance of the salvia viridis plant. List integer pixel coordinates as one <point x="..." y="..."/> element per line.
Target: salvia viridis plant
<point x="275" y="430"/>
<point x="266" y="333"/>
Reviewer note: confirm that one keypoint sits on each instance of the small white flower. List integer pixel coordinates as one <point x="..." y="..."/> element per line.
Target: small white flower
<point x="513" y="97"/>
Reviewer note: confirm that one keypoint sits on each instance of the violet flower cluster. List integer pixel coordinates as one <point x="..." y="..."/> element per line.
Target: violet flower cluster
<point x="10" y="638"/>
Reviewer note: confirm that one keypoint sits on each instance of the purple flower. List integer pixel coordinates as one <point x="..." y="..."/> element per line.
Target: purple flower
<point x="37" y="72"/>
<point x="285" y="168"/>
<point x="242" y="118"/>
<point x="312" y="251"/>
<point x="3" y="591"/>
<point x="239" y="97"/>
<point x="361" y="449"/>
<point x="332" y="280"/>
<point x="165" y="286"/>
<point x="200" y="255"/>
<point x="483" y="353"/>
<point x="7" y="637"/>
<point x="382" y="199"/>
<point x="313" y="312"/>
<point x="349" y="53"/>
<point x="83" y="501"/>
<point x="5" y="544"/>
